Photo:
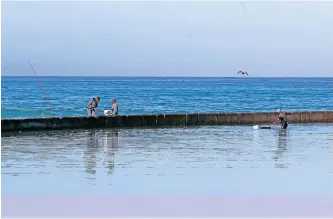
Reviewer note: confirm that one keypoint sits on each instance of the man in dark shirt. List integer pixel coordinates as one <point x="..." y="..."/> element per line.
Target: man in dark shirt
<point x="282" y="118"/>
<point x="92" y="106"/>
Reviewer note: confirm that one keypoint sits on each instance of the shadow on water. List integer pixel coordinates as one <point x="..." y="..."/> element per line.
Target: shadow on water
<point x="110" y="140"/>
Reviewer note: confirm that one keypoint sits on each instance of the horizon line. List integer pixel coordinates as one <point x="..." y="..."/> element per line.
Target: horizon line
<point x="127" y="76"/>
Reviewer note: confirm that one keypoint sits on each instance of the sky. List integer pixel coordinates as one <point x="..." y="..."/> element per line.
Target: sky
<point x="266" y="39"/>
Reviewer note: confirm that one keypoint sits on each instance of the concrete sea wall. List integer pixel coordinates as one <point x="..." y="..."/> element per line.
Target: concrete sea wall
<point x="160" y="120"/>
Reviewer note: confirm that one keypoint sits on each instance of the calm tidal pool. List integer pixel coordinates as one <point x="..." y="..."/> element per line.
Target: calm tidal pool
<point x="213" y="160"/>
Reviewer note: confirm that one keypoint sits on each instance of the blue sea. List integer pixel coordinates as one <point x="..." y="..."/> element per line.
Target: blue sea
<point x="68" y="96"/>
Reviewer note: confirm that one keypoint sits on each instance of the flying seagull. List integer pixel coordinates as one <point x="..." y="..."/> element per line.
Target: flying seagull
<point x="243" y="73"/>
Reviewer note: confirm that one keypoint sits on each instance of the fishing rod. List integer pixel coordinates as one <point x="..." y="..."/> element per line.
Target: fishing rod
<point x="43" y="91"/>
<point x="243" y="7"/>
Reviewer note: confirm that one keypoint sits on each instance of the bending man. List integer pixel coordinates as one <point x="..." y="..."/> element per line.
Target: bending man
<point x="282" y="118"/>
<point x="92" y="106"/>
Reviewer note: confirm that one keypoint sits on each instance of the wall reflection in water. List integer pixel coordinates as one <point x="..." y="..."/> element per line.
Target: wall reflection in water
<point x="109" y="137"/>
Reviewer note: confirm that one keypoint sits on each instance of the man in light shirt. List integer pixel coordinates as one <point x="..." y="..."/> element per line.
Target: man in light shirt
<point x="114" y="108"/>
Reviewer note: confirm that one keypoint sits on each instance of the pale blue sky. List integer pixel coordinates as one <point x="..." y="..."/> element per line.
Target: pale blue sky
<point x="167" y="38"/>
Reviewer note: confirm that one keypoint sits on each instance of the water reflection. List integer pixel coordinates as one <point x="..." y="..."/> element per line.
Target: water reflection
<point x="109" y="137"/>
<point x="110" y="147"/>
<point x="90" y="152"/>
<point x="171" y="160"/>
<point x="281" y="149"/>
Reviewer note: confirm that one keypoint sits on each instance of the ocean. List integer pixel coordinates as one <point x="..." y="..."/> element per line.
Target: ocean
<point x="68" y="96"/>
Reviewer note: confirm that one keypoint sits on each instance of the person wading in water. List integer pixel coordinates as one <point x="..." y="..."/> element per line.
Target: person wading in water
<point x="282" y="117"/>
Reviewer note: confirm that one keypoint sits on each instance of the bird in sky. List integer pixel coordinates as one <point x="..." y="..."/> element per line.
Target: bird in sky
<point x="243" y="73"/>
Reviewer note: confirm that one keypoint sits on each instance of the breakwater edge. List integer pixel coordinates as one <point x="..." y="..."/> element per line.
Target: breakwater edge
<point x="161" y="120"/>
